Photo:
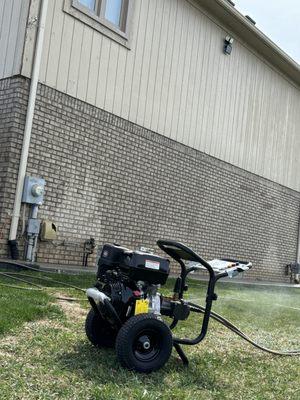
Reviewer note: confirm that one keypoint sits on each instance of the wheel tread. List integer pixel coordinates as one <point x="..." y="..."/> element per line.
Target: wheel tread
<point x="125" y="332"/>
<point x="100" y="339"/>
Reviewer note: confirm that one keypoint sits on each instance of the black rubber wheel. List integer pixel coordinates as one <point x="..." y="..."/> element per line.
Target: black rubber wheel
<point x="99" y="331"/>
<point x="144" y="343"/>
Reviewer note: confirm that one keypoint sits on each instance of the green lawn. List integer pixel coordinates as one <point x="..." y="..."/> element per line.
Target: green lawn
<point x="19" y="306"/>
<point x="44" y="353"/>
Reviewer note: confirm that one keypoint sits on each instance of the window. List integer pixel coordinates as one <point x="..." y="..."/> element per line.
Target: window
<point x="112" y="13"/>
<point x="113" y="18"/>
<point x="90" y="4"/>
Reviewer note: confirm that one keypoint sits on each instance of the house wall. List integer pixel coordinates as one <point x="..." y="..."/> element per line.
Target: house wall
<point x="115" y="181"/>
<point x="176" y="81"/>
<point x="13" y="103"/>
<point x="13" y="21"/>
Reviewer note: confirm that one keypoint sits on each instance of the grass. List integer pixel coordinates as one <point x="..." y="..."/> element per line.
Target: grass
<point x="44" y="353"/>
<point x="20" y="306"/>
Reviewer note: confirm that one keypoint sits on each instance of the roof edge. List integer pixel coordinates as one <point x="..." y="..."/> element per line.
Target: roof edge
<point x="228" y="15"/>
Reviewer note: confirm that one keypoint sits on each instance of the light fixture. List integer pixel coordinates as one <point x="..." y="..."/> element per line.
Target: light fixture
<point x="228" y="41"/>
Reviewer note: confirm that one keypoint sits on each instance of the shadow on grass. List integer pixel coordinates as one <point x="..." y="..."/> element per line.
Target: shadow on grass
<point x="101" y="366"/>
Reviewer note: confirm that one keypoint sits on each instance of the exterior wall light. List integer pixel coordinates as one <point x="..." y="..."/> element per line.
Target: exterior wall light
<point x="228" y="41"/>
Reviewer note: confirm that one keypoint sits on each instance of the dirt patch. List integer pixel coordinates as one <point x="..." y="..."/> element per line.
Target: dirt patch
<point x="27" y="329"/>
<point x="71" y="309"/>
<point x="10" y="345"/>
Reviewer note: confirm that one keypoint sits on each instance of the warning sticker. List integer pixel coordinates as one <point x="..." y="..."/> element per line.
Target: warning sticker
<point x="152" y="264"/>
<point x="141" y="307"/>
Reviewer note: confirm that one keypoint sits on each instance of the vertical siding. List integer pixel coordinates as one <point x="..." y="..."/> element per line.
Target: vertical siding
<point x="13" y="17"/>
<point x="176" y="81"/>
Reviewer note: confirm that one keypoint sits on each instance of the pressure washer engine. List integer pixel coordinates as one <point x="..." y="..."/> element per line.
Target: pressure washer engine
<point x="127" y="307"/>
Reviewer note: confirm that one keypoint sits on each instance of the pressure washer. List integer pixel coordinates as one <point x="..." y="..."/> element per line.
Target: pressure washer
<point x="127" y="309"/>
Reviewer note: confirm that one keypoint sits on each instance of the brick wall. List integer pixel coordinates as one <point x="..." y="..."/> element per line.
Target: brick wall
<point x="115" y="181"/>
<point x="13" y="101"/>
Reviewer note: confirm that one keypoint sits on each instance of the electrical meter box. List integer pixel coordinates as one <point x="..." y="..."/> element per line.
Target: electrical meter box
<point x="48" y="230"/>
<point x="33" y="190"/>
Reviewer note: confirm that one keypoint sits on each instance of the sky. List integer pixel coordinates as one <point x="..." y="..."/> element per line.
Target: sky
<point x="278" y="19"/>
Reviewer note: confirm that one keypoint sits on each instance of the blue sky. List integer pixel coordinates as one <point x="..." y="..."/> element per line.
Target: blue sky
<point x="278" y="19"/>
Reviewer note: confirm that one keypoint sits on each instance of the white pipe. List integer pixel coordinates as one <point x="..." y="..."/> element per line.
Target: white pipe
<point x="298" y="247"/>
<point x="29" y="119"/>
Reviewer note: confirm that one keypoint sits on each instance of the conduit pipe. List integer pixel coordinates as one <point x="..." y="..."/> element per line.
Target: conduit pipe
<point x="29" y="118"/>
<point x="298" y="244"/>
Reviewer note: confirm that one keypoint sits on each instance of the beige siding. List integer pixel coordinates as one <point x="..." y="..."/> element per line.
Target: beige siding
<point x="13" y="17"/>
<point x="176" y="81"/>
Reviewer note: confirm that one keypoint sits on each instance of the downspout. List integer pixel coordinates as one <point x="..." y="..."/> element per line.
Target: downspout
<point x="298" y="248"/>
<point x="29" y="120"/>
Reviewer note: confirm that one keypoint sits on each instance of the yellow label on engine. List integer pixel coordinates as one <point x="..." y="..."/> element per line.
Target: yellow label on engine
<point x="141" y="307"/>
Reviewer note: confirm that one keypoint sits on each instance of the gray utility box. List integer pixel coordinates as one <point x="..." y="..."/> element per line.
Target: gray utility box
<point x="33" y="190"/>
<point x="33" y="226"/>
<point x="295" y="268"/>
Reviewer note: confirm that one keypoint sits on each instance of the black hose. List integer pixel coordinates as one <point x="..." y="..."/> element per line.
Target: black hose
<point x="45" y="278"/>
<point x="20" y="287"/>
<point x="41" y="288"/>
<point x="71" y="299"/>
<point x="237" y="331"/>
<point x="25" y="266"/>
<point x="19" y="279"/>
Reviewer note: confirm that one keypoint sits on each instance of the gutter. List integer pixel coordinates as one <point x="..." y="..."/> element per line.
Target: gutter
<point x="240" y="26"/>
<point x="29" y="120"/>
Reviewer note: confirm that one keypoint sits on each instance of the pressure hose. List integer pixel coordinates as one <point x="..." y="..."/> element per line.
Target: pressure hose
<point x="10" y="275"/>
<point x="237" y="331"/>
<point x="38" y="287"/>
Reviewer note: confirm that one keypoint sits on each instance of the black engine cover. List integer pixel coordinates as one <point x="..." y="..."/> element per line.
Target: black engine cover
<point x="138" y="266"/>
